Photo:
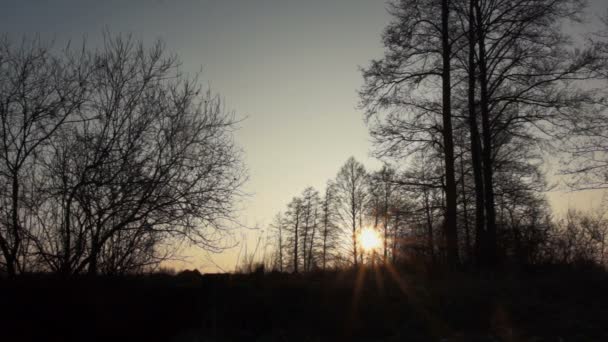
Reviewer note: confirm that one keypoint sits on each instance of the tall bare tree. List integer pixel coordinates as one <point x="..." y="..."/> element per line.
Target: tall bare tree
<point x="351" y="190"/>
<point x="528" y="71"/>
<point x="418" y="54"/>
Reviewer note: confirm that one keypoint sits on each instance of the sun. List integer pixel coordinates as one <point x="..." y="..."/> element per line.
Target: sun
<point x="369" y="238"/>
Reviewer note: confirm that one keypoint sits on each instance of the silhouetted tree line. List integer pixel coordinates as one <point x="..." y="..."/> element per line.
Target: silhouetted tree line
<point x="108" y="158"/>
<point x="466" y="103"/>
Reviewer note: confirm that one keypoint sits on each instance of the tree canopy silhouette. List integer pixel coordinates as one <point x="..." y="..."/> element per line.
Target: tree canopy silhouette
<point x="109" y="158"/>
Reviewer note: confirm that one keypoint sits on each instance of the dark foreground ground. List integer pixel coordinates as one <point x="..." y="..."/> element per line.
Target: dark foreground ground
<point x="547" y="304"/>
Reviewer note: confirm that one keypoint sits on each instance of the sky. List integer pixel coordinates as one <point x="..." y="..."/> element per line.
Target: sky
<point x="289" y="68"/>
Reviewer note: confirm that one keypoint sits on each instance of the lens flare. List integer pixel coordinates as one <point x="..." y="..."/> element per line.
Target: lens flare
<point x="369" y="238"/>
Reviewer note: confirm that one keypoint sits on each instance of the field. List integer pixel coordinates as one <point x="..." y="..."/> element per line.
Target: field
<point x="381" y="304"/>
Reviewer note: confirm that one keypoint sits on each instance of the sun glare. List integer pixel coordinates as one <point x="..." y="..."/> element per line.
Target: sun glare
<point x="370" y="240"/>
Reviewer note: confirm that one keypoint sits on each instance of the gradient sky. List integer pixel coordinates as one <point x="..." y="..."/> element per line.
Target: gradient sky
<point x="290" y="68"/>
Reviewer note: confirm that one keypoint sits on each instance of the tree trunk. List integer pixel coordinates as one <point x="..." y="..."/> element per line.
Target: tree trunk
<point x="93" y="257"/>
<point x="325" y="247"/>
<point x="475" y="143"/>
<point x="312" y="241"/>
<point x="304" y="245"/>
<point x="354" y="223"/>
<point x="450" y="225"/>
<point x="295" y="247"/>
<point x="467" y="234"/>
<point x="10" y="269"/>
<point x="385" y="221"/>
<point x="429" y="222"/>
<point x="11" y="257"/>
<point x="280" y="247"/>
<point x="490" y="236"/>
<point x="66" y="263"/>
<point x="395" y="236"/>
<point x="325" y="227"/>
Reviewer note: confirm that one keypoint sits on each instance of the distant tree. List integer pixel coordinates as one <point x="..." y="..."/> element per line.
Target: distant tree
<point x="310" y="213"/>
<point x="579" y="237"/>
<point x="330" y="231"/>
<point x="278" y="227"/>
<point x="294" y="218"/>
<point x="351" y="192"/>
<point x="382" y="185"/>
<point x="401" y="215"/>
<point x="424" y="181"/>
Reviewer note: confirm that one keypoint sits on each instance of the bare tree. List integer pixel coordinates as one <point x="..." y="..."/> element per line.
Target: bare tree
<point x="278" y="225"/>
<point x="329" y="225"/>
<point x="383" y="188"/>
<point x="579" y="237"/>
<point x="294" y="222"/>
<point x="310" y="207"/>
<point x="39" y="93"/>
<point x="527" y="69"/>
<point x="125" y="155"/>
<point x="352" y="192"/>
<point x="511" y="64"/>
<point x="418" y="53"/>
